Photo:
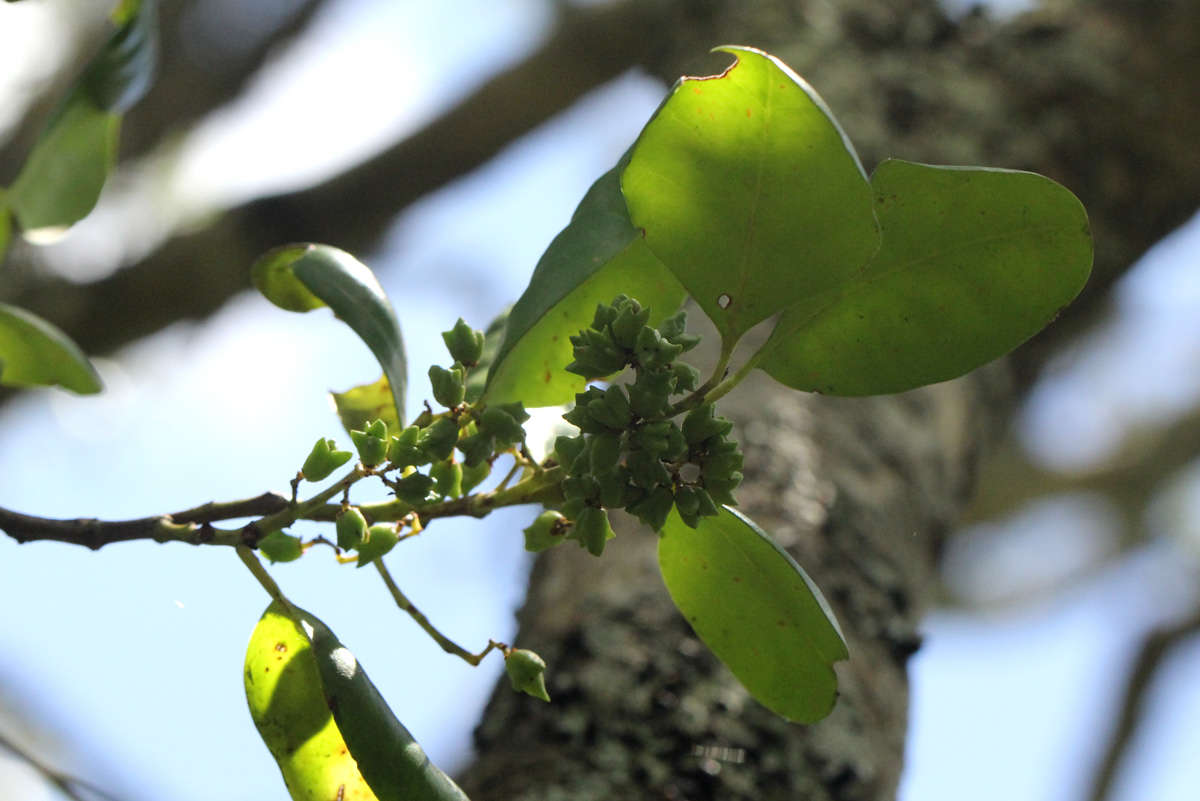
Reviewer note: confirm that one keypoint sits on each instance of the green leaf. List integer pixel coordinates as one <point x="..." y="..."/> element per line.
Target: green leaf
<point x="598" y="256"/>
<point x="974" y="261"/>
<point x="61" y="179"/>
<point x="34" y="352"/>
<point x="358" y="406"/>
<point x="757" y="610"/>
<point x="749" y="191"/>
<point x="392" y="762"/>
<point x="302" y="277"/>
<point x="5" y="227"/>
<point x="287" y="705"/>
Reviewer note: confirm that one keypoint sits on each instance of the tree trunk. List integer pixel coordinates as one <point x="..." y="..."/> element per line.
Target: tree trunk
<point x="861" y="491"/>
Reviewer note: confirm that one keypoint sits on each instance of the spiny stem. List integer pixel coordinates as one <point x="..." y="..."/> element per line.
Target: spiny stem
<point x="447" y="645"/>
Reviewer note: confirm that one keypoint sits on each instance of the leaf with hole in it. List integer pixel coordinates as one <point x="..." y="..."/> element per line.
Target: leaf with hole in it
<point x="302" y="277"/>
<point x="360" y="405"/>
<point x="61" y="178"/>
<point x="33" y="352"/>
<point x="599" y="255"/>
<point x="749" y="191"/>
<point x="756" y="609"/>
<point x="974" y="261"/>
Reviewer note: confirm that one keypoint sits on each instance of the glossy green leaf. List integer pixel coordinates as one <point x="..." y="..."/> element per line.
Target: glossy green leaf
<point x="303" y="277"/>
<point x="392" y="762"/>
<point x="974" y="261"/>
<point x="596" y="257"/>
<point x="358" y="406"/>
<point x="757" y="610"/>
<point x="34" y="352"/>
<point x="61" y="179"/>
<point x="288" y="707"/>
<point x="749" y="191"/>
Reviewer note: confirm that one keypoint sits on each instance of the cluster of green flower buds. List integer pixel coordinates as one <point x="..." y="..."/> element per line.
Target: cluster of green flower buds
<point x="478" y="433"/>
<point x="630" y="452"/>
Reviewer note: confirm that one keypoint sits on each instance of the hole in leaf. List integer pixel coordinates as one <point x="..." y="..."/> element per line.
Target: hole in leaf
<point x="724" y="300"/>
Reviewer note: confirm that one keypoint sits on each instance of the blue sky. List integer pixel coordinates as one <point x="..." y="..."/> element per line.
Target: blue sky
<point x="136" y="651"/>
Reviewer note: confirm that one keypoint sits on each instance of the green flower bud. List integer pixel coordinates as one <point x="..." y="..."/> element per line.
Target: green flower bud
<point x="604" y="316"/>
<point x="403" y="450"/>
<point x="567" y="449"/>
<point x="447" y="477"/>
<point x="700" y="424"/>
<point x="604" y="451"/>
<point x="413" y="489"/>
<point x="323" y="459"/>
<point x="477" y="448"/>
<point x="351" y="528"/>
<point x="280" y="547"/>
<point x="595" y="355"/>
<point x="721" y="489"/>
<point x="650" y="393"/>
<point x="546" y="531"/>
<point x="449" y="386"/>
<point x="674" y="330"/>
<point x="687" y="378"/>
<point x="380" y="539"/>
<point x="611" y="409"/>
<point x="438" y="440"/>
<point x="628" y="323"/>
<point x="527" y="672"/>
<point x="584" y="487"/>
<point x="614" y="488"/>
<point x="504" y="422"/>
<point x="464" y="343"/>
<point x="654" y="351"/>
<point x="654" y="507"/>
<point x="474" y="474"/>
<point x="372" y="443"/>
<point x="646" y="470"/>
<point x="592" y="529"/>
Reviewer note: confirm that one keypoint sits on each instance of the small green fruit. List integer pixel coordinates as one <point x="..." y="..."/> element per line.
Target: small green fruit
<point x="447" y="478"/>
<point x="280" y="547"/>
<point x="380" y="539"/>
<point x="437" y="441"/>
<point x="449" y="386"/>
<point x="545" y="531"/>
<point x="371" y="443"/>
<point x="351" y="528"/>
<point x="527" y="672"/>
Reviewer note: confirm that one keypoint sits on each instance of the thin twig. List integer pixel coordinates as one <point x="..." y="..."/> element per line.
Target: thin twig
<point x="69" y="785"/>
<point x="1154" y="650"/>
<point x="447" y="645"/>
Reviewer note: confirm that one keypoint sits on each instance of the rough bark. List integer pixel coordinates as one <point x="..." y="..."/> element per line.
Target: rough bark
<point x="862" y="492"/>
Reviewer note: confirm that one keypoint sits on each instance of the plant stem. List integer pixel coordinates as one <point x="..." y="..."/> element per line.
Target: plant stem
<point x="264" y="578"/>
<point x="447" y="645"/>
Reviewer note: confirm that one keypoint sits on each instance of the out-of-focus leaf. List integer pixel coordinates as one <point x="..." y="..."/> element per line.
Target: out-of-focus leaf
<point x="757" y="610"/>
<point x="302" y="277"/>
<point x="599" y="255"/>
<point x="748" y="190"/>
<point x="64" y="173"/>
<point x="358" y="406"/>
<point x="5" y="227"/>
<point x="61" y="178"/>
<point x="122" y="72"/>
<point x="34" y="352"/>
<point x="974" y="261"/>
